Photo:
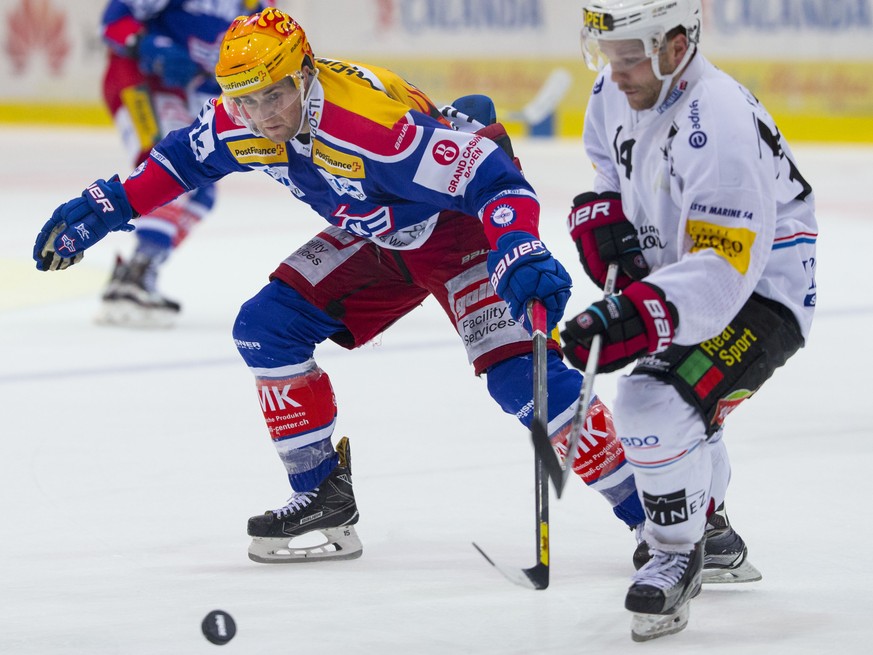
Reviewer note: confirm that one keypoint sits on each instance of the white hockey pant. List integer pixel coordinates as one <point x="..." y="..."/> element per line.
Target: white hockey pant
<point x="678" y="472"/>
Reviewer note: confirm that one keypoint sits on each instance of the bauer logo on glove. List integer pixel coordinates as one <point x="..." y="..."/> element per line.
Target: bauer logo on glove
<point x="637" y="322"/>
<point x="80" y="223"/>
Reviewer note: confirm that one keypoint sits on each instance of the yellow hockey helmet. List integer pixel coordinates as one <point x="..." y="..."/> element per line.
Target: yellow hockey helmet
<point x="259" y="50"/>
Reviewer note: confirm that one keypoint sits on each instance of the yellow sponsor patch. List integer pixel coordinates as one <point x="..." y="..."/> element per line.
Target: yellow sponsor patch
<point x="732" y="243"/>
<point x="240" y="83"/>
<point x="336" y="162"/>
<point x="258" y="151"/>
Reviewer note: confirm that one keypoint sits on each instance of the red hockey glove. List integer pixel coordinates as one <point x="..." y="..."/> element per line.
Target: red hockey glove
<point x="637" y="322"/>
<point x="603" y="234"/>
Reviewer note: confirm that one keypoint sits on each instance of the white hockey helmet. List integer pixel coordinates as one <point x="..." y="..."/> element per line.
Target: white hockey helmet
<point x="648" y="21"/>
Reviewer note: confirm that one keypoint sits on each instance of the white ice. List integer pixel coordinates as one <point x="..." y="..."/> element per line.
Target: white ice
<point x="132" y="459"/>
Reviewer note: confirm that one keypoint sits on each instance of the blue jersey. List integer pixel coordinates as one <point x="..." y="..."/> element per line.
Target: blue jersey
<point x="197" y="25"/>
<point x="380" y="162"/>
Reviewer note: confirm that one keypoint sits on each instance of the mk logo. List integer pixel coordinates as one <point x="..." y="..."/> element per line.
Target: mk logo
<point x="276" y="399"/>
<point x="589" y="435"/>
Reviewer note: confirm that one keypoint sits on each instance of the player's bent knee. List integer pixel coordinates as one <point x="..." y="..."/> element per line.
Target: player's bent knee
<point x="654" y="424"/>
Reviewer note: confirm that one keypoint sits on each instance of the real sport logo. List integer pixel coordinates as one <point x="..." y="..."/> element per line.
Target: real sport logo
<point x="445" y="152"/>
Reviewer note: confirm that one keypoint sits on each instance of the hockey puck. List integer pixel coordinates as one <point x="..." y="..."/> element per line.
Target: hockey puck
<point x="218" y="627"/>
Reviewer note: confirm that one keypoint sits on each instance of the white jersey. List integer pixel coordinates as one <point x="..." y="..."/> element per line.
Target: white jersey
<point x="721" y="209"/>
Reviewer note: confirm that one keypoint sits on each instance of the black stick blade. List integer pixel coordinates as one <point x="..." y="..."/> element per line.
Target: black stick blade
<point x="536" y="577"/>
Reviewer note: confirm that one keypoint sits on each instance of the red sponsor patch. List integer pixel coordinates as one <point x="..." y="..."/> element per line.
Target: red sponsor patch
<point x="599" y="451"/>
<point x="472" y="297"/>
<point x="728" y="404"/>
<point x="298" y="404"/>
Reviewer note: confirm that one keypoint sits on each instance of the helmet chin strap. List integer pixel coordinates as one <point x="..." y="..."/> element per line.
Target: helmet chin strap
<point x="667" y="80"/>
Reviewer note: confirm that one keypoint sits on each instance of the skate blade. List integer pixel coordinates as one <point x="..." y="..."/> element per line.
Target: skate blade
<point x="337" y="544"/>
<point x="645" y="627"/>
<point x="124" y="313"/>
<point x="745" y="572"/>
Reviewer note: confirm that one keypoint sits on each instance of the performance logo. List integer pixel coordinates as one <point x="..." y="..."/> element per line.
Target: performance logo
<point x="673" y="508"/>
<point x="732" y="243"/>
<point x="445" y="152"/>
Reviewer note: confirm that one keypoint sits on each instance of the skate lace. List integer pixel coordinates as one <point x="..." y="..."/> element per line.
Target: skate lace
<point x="295" y="503"/>
<point x="662" y="571"/>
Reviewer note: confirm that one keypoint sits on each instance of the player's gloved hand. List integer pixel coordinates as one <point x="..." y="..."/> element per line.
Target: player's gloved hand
<point x="80" y="223"/>
<point x="603" y="234"/>
<point x="637" y="322"/>
<point x="160" y="55"/>
<point x="521" y="268"/>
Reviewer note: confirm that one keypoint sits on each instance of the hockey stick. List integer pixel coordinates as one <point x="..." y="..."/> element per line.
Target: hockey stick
<point x="558" y="471"/>
<point x="537" y="576"/>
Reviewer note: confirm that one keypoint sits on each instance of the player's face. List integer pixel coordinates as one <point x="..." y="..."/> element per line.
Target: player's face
<point x="632" y="70"/>
<point x="274" y="111"/>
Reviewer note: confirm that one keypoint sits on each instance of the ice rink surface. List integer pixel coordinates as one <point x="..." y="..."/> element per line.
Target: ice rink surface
<point x="132" y="459"/>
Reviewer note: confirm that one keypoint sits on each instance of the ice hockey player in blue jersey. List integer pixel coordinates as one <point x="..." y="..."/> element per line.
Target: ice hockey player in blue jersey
<point x="699" y="198"/>
<point x="160" y="71"/>
<point x="414" y="208"/>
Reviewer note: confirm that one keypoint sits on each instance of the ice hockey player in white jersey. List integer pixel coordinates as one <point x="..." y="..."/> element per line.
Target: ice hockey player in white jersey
<point x="700" y="201"/>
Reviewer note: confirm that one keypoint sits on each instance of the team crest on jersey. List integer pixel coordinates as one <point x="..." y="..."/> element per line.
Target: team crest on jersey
<point x="502" y="216"/>
<point x="734" y="244"/>
<point x="336" y="162"/>
<point x="257" y="151"/>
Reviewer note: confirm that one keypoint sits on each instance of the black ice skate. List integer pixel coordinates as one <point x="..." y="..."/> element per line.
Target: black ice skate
<point x="725" y="555"/>
<point x="329" y="512"/>
<point x="131" y="298"/>
<point x="661" y="591"/>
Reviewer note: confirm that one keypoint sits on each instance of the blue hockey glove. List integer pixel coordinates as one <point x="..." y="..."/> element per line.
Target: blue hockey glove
<point x="80" y="223"/>
<point x="159" y="55"/>
<point x="521" y="268"/>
